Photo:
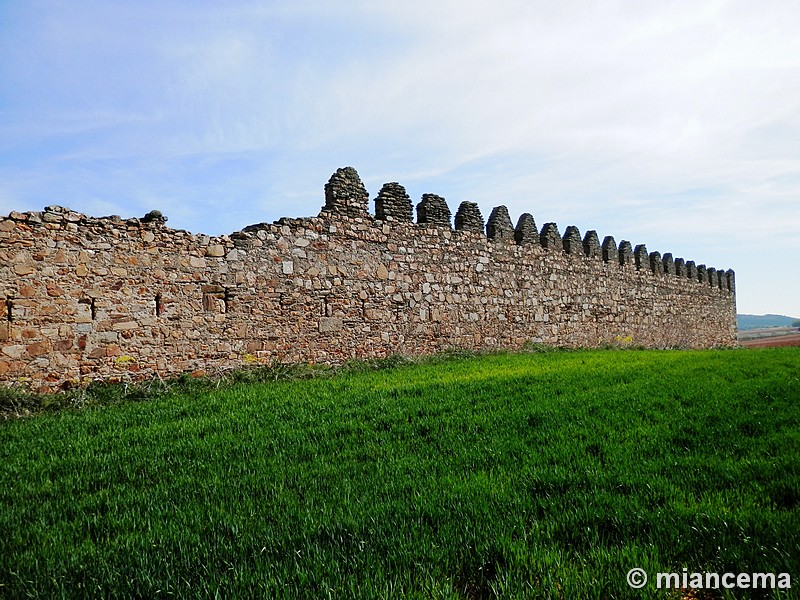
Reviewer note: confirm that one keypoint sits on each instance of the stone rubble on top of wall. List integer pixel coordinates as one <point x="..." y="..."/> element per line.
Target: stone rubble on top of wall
<point x="87" y="298"/>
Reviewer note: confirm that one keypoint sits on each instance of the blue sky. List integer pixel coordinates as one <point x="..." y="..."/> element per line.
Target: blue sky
<point x="674" y="124"/>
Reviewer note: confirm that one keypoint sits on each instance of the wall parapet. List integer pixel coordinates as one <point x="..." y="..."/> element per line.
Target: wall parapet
<point x="105" y="297"/>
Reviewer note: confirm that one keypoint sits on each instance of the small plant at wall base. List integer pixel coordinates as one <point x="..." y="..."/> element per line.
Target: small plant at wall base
<point x="252" y="360"/>
<point x="623" y="342"/>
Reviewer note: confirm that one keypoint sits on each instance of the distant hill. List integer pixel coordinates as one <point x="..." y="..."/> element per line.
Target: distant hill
<point x="761" y="321"/>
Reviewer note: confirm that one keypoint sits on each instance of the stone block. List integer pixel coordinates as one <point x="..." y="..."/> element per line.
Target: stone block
<point x="24" y="269"/>
<point x="38" y="348"/>
<point x="14" y="351"/>
<point x="330" y="324"/>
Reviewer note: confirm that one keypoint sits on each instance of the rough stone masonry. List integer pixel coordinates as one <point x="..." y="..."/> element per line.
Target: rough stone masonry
<point x="87" y="298"/>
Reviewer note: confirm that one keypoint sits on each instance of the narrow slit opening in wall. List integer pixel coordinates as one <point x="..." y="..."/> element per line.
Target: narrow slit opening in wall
<point x="227" y="299"/>
<point x="158" y="305"/>
<point x="9" y="310"/>
<point x="93" y="308"/>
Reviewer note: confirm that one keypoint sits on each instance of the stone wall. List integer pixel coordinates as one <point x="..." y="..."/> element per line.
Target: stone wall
<point x="88" y="298"/>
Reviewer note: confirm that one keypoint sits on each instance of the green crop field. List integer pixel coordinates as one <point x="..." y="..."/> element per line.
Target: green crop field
<point x="539" y="475"/>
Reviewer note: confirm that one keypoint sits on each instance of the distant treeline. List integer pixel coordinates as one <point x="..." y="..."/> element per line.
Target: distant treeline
<point x="761" y="321"/>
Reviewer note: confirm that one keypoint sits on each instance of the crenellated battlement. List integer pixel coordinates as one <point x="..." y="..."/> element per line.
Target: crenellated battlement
<point x="85" y="298"/>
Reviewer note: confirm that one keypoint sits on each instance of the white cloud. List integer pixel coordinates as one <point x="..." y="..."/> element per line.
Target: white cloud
<point x="669" y="121"/>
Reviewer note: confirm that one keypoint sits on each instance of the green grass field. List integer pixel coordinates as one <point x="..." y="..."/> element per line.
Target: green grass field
<point x="541" y="475"/>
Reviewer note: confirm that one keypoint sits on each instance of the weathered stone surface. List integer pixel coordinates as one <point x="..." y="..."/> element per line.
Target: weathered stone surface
<point x="24" y="269"/>
<point x="525" y="232"/>
<point x="39" y="348"/>
<point x="393" y="203"/>
<point x="433" y="211"/>
<point x="53" y="290"/>
<point x="330" y="324"/>
<point x="14" y="350"/>
<point x="154" y="216"/>
<point x="52" y="217"/>
<point x="345" y="194"/>
<point x="468" y="217"/>
<point x="572" y="241"/>
<point x="119" y="299"/>
<point x="550" y="238"/>
<point x="499" y="227"/>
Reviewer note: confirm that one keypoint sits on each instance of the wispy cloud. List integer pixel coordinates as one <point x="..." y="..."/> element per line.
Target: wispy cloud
<point x="675" y="122"/>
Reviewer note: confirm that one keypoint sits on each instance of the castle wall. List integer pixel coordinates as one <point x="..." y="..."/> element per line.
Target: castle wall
<point x="92" y="298"/>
